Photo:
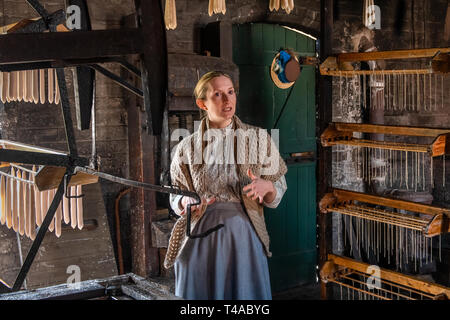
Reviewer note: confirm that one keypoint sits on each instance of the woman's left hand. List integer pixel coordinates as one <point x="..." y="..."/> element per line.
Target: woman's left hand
<point x="259" y="188"/>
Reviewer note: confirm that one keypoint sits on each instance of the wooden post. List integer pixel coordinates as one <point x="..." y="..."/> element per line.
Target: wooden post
<point x="142" y="147"/>
<point x="142" y="165"/>
<point x="324" y="154"/>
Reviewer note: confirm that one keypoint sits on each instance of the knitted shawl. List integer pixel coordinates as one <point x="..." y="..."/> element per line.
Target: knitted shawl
<point x="188" y="168"/>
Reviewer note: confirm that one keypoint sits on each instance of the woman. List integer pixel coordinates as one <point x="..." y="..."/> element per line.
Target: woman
<point x="218" y="164"/>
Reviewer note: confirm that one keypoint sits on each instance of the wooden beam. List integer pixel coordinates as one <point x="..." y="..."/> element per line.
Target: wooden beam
<point x="49" y="176"/>
<point x="142" y="167"/>
<point x="32" y="47"/>
<point x="396" y="277"/>
<point x="342" y="134"/>
<point x="343" y="195"/>
<point x="83" y="77"/>
<point x="352" y="73"/>
<point x="153" y="62"/>
<point x="144" y="256"/>
<point x="394" y="130"/>
<point x="324" y="169"/>
<point x="390" y="55"/>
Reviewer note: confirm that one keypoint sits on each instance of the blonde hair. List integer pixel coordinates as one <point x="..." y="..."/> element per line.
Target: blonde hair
<point x="202" y="85"/>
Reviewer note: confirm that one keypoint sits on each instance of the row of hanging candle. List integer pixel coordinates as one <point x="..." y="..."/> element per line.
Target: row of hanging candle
<point x="23" y="206"/>
<point x="394" y="168"/>
<point x="393" y="92"/>
<point x="396" y="244"/>
<point x="30" y="86"/>
<point x="217" y="7"/>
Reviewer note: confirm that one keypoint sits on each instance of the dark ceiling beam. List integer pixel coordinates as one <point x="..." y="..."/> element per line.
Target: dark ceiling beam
<point x="84" y="76"/>
<point x="324" y="168"/>
<point x="153" y="57"/>
<point x="54" y="46"/>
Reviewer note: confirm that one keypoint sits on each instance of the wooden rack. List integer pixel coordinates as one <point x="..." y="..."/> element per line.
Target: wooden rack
<point x="433" y="220"/>
<point x="357" y="280"/>
<point x="342" y="134"/>
<point x="340" y="65"/>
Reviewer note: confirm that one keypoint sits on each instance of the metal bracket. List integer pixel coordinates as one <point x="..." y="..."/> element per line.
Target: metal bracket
<point x="66" y="187"/>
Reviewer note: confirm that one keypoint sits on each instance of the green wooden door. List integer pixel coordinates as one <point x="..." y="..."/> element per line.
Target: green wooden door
<point x="292" y="226"/>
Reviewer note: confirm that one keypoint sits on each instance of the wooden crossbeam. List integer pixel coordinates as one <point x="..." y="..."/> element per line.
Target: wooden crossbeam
<point x="393" y="130"/>
<point x="342" y="134"/>
<point x="390" y="55"/>
<point x="340" y="65"/>
<point x="390" y="202"/>
<point x="53" y="46"/>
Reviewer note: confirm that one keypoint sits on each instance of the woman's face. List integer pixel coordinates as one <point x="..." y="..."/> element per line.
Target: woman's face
<point x="220" y="102"/>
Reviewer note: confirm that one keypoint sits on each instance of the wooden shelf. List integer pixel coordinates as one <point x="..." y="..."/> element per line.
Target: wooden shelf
<point x="340" y="65"/>
<point x="393" y="284"/>
<point x="342" y="134"/>
<point x="436" y="222"/>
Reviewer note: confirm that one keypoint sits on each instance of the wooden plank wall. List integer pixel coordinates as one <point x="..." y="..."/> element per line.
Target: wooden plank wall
<point x="91" y="250"/>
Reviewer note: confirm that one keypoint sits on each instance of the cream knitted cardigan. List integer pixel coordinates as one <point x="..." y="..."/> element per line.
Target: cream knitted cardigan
<point x="187" y="174"/>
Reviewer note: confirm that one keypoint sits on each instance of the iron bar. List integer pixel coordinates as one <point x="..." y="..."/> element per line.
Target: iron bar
<point x="40" y="158"/>
<point x="148" y="186"/>
<point x="125" y="64"/>
<point x="137" y="184"/>
<point x="119" y="80"/>
<point x="65" y="108"/>
<point x="40" y="235"/>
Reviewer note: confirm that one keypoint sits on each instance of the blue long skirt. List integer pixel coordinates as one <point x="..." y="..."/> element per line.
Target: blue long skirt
<point x="228" y="264"/>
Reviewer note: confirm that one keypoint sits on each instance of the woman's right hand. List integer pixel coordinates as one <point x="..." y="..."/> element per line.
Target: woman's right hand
<point x="196" y="209"/>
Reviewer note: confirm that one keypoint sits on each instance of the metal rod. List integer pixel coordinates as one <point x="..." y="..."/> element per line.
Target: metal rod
<point x="137" y="184"/>
<point x="65" y="108"/>
<point x="149" y="186"/>
<point x="40" y="235"/>
<point x="120" y="81"/>
<point x="39" y="158"/>
<point x="19" y="247"/>
<point x="125" y="64"/>
<point x="93" y="128"/>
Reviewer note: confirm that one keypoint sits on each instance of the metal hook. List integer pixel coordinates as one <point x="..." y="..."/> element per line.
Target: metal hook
<point x="188" y="224"/>
<point x="66" y="188"/>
